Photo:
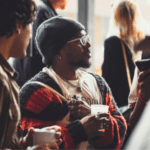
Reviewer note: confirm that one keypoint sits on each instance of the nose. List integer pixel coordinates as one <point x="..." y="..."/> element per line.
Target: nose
<point x="88" y="44"/>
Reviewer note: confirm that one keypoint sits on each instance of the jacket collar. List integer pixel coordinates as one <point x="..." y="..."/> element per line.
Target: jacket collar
<point x="7" y="68"/>
<point x="49" y="5"/>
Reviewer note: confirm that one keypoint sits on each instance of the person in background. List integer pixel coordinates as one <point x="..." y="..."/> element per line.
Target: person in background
<point x="15" y="19"/>
<point x="139" y="94"/>
<point x="32" y="64"/>
<point x="125" y="25"/>
<point x="139" y="104"/>
<point x="142" y="128"/>
<point x="65" y="47"/>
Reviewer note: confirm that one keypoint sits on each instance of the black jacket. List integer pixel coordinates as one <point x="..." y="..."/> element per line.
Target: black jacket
<point x="29" y="66"/>
<point x="114" y="71"/>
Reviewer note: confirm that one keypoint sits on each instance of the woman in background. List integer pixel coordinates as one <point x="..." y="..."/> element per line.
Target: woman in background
<point x="126" y="23"/>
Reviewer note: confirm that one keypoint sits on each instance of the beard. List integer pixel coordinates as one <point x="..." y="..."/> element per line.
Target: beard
<point x="81" y="63"/>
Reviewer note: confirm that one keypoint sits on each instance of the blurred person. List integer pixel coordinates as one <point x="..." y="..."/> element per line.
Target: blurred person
<point x="139" y="104"/>
<point x="139" y="94"/>
<point x="140" y="136"/>
<point x="65" y="47"/>
<point x="32" y="64"/>
<point x="15" y="19"/>
<point x="126" y="25"/>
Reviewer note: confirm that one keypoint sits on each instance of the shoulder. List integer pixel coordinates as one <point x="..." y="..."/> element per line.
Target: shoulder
<point x="100" y="81"/>
<point x="112" y="39"/>
<point x="41" y="5"/>
<point x="43" y="8"/>
<point x="30" y="87"/>
<point x="113" y="45"/>
<point x="3" y="78"/>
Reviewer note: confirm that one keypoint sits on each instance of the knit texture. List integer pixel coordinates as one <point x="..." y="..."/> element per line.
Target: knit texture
<point x="37" y="114"/>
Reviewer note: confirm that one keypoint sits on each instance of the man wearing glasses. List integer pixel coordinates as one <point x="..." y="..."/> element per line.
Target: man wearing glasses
<point x="65" y="47"/>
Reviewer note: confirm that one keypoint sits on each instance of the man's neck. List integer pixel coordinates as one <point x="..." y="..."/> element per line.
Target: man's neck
<point x="68" y="73"/>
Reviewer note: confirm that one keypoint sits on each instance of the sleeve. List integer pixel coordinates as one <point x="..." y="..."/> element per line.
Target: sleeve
<point x="133" y="95"/>
<point x="41" y="16"/>
<point x="116" y="132"/>
<point x="2" y="112"/>
<point x="44" y="108"/>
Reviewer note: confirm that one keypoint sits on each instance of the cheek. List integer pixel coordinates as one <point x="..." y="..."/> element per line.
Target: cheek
<point x="29" y="35"/>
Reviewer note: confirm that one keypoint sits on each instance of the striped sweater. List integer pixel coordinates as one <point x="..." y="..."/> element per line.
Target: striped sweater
<point x="40" y="108"/>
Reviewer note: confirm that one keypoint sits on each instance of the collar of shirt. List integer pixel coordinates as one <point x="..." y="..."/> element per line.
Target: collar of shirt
<point x="49" y="5"/>
<point x="7" y="68"/>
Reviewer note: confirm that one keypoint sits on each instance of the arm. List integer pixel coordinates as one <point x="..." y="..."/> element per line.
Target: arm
<point x="143" y="89"/>
<point x="3" y="112"/>
<point x="115" y="134"/>
<point x="44" y="108"/>
<point x="133" y="95"/>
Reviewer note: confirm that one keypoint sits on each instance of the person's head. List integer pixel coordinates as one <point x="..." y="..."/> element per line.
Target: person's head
<point x="15" y="18"/>
<point x="63" y="40"/>
<point x="127" y="18"/>
<point x="59" y="4"/>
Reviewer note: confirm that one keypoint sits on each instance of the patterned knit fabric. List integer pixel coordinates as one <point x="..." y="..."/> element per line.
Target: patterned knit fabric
<point x="40" y="108"/>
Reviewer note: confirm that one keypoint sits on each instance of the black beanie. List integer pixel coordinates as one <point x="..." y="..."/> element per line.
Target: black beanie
<point x="53" y="34"/>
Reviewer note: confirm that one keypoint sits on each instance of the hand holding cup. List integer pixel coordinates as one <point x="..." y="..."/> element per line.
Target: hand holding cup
<point x="97" y="109"/>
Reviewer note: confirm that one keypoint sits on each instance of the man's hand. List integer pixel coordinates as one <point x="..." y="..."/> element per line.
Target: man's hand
<point x="45" y="146"/>
<point x="144" y="84"/>
<point x="93" y="125"/>
<point x="78" y="109"/>
<point x="28" y="139"/>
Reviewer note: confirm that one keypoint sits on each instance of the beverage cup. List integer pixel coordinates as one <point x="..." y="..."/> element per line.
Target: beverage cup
<point x="98" y="108"/>
<point x="43" y="136"/>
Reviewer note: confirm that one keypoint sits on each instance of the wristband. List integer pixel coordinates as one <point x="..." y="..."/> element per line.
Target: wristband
<point x="141" y="99"/>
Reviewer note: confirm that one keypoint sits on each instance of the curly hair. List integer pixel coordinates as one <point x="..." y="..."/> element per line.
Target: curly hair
<point x="13" y="10"/>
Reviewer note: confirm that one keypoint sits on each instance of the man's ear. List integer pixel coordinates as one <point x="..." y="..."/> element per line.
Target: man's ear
<point x="18" y="27"/>
<point x="58" y="56"/>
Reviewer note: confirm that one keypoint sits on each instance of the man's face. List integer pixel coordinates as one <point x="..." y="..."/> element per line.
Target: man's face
<point x="78" y="55"/>
<point x="21" y="42"/>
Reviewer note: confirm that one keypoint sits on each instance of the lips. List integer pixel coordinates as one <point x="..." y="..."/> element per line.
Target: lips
<point x="88" y="54"/>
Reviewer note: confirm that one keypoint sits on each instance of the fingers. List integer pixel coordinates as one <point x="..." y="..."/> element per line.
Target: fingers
<point x="46" y="146"/>
<point x="52" y="146"/>
<point x="71" y="102"/>
<point x="101" y="115"/>
<point x="58" y="135"/>
<point x="103" y="120"/>
<point x="75" y="102"/>
<point x="104" y="124"/>
<point x="28" y="139"/>
<point x="59" y="141"/>
<point x="144" y="74"/>
<point x="55" y="127"/>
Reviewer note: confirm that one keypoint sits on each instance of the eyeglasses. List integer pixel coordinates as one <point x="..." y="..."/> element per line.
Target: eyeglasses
<point x="83" y="40"/>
